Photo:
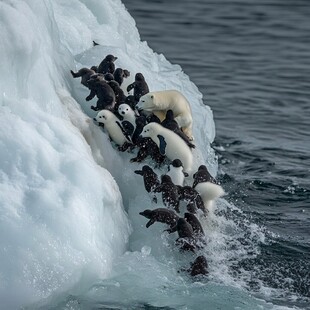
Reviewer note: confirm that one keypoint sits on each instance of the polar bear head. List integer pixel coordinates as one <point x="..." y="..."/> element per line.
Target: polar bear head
<point x="147" y="102"/>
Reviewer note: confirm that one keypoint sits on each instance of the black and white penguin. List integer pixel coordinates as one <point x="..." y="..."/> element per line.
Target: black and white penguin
<point x="147" y="147"/>
<point x="161" y="215"/>
<point x="186" y="239"/>
<point x="202" y="175"/>
<point x="150" y="180"/>
<point x="169" y="144"/>
<point x="170" y="193"/>
<point x="196" y="225"/>
<point x="192" y="198"/>
<point x="176" y="173"/>
<point x="170" y="123"/>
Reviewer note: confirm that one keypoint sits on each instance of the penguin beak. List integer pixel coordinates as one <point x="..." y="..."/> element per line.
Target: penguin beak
<point x="140" y="172"/>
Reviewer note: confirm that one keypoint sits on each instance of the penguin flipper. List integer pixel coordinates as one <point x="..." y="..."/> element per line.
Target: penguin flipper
<point x="149" y="223"/>
<point x="128" y="127"/>
<point x="119" y="124"/>
<point x="162" y="144"/>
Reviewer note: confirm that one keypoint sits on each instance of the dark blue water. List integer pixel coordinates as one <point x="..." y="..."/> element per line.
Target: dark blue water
<point x="251" y="62"/>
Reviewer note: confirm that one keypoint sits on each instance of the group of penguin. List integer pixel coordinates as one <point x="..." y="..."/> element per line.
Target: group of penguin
<point x="124" y="124"/>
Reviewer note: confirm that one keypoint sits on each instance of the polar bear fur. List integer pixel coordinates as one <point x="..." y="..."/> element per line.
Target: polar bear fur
<point x="175" y="147"/>
<point x="160" y="102"/>
<point x="112" y="126"/>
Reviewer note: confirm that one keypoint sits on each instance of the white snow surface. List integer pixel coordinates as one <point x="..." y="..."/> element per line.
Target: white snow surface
<point x="65" y="191"/>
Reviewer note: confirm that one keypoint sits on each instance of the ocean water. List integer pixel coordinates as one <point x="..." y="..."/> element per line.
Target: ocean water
<point x="71" y="234"/>
<point x="251" y="62"/>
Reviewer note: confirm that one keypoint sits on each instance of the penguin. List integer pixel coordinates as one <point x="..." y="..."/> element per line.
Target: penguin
<point x="161" y="215"/>
<point x="197" y="227"/>
<point x="147" y="147"/>
<point x="150" y="180"/>
<point x="202" y="175"/>
<point x="192" y="198"/>
<point x="169" y="144"/>
<point x="176" y="173"/>
<point x="170" y="123"/>
<point x="199" y="267"/>
<point x="139" y="87"/>
<point x="170" y="193"/>
<point x="107" y="64"/>
<point x="186" y="239"/>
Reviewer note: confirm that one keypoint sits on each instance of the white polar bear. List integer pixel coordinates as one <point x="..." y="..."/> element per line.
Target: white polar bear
<point x="170" y="144"/>
<point x="159" y="102"/>
<point x="113" y="126"/>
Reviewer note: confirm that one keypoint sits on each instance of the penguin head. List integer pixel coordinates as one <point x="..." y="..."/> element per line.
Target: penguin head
<point x="139" y="77"/>
<point x="110" y="58"/>
<point x="176" y="163"/>
<point x="147" y="213"/>
<point x="166" y="179"/>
